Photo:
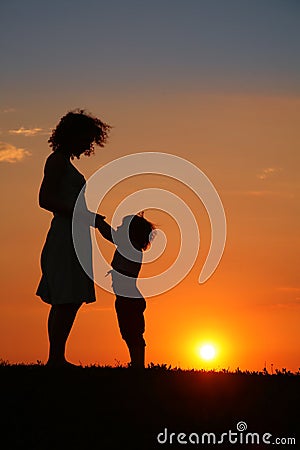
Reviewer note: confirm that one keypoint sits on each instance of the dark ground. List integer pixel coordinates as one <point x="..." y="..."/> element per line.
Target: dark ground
<point x="116" y="408"/>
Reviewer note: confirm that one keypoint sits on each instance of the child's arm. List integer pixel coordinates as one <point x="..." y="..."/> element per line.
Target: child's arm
<point x="105" y="229"/>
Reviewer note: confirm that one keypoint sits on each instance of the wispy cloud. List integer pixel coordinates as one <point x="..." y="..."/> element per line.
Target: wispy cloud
<point x="288" y="304"/>
<point x="26" y="131"/>
<point x="7" y="110"/>
<point x="97" y="308"/>
<point x="11" y="154"/>
<point x="289" y="289"/>
<point x="255" y="193"/>
<point x="292" y="294"/>
<point x="260" y="193"/>
<point x="268" y="172"/>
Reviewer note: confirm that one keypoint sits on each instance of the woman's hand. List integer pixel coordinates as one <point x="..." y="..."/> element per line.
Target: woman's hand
<point x="99" y="220"/>
<point x="104" y="228"/>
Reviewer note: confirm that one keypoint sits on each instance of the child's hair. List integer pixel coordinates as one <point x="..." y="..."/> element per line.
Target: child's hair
<point x="79" y="123"/>
<point x="141" y="231"/>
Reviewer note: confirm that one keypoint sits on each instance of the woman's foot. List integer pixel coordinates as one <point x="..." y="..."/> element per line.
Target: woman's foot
<point x="61" y="364"/>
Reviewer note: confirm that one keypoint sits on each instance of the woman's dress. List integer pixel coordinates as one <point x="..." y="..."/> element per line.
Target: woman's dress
<point x="63" y="278"/>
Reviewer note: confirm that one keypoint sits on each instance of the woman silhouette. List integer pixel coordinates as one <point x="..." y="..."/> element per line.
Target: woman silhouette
<point x="64" y="283"/>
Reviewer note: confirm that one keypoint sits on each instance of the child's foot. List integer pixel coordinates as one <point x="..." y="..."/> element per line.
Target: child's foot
<point x="136" y="367"/>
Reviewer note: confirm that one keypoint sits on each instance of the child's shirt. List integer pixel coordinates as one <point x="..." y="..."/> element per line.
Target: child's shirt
<point x="127" y="260"/>
<point x="126" y="263"/>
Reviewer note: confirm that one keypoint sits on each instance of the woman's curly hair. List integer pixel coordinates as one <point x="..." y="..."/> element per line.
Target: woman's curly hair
<point x="79" y="124"/>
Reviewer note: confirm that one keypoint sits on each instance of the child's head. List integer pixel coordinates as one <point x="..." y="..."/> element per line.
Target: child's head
<point x="77" y="132"/>
<point x="140" y="230"/>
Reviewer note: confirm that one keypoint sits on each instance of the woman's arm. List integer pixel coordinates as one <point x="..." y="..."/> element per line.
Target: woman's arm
<point x="105" y="229"/>
<point x="49" y="195"/>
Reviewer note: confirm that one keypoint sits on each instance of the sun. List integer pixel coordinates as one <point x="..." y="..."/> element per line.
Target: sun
<point x="207" y="352"/>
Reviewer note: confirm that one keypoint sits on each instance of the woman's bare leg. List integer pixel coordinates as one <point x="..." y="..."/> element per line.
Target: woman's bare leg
<point x="60" y="322"/>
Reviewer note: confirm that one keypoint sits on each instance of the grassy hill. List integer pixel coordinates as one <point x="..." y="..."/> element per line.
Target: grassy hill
<point x="117" y="408"/>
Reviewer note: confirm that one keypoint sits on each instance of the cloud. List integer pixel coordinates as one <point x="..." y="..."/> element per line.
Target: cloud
<point x="289" y="288"/>
<point x="292" y="299"/>
<point x="11" y="154"/>
<point x="97" y="308"/>
<point x="267" y="172"/>
<point x="257" y="193"/>
<point x="7" y="110"/>
<point x="26" y="131"/>
<point x="288" y="304"/>
<point x="260" y="193"/>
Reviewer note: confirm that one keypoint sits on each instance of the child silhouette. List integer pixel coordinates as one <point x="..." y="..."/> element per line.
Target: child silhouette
<point x="132" y="237"/>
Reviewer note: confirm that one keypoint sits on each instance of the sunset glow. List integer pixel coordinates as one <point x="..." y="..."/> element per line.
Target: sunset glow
<point x="215" y="85"/>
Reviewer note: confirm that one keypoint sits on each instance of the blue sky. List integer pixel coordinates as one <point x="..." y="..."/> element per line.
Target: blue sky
<point x="242" y="45"/>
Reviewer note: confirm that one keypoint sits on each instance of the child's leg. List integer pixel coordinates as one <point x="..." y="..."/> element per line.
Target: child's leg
<point x="130" y="313"/>
<point x="137" y="354"/>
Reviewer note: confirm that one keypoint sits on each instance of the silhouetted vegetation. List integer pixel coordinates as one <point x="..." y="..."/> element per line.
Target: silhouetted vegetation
<point x="104" y="407"/>
<point x="162" y="367"/>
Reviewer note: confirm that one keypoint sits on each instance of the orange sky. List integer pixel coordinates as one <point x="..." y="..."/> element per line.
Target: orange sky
<point x="248" y="145"/>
